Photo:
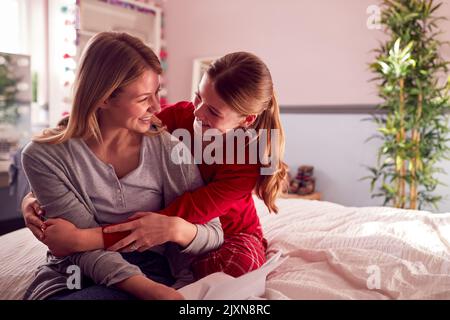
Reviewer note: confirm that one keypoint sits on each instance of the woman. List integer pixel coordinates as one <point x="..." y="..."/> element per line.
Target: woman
<point x="109" y="162"/>
<point x="236" y="92"/>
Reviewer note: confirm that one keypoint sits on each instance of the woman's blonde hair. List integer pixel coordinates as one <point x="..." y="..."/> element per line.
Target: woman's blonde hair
<point x="110" y="61"/>
<point x="244" y="82"/>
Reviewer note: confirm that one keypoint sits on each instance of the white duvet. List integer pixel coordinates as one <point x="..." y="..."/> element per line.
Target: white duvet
<point x="338" y="252"/>
<point x="334" y="252"/>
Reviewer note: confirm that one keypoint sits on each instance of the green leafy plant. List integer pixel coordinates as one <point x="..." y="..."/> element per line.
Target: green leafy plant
<point x="414" y="123"/>
<point x="8" y="90"/>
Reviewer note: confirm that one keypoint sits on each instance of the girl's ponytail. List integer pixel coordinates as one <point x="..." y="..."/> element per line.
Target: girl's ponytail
<point x="269" y="187"/>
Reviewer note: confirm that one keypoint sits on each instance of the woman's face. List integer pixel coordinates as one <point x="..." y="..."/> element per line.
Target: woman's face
<point x="135" y="104"/>
<point x="212" y="111"/>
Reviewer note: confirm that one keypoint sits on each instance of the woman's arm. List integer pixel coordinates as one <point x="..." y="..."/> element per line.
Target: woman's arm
<point x="103" y="267"/>
<point x="61" y="236"/>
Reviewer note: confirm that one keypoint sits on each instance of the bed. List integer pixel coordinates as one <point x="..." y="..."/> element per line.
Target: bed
<point x="333" y="252"/>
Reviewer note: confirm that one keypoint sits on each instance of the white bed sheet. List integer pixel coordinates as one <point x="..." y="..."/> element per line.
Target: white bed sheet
<point x="20" y="255"/>
<point x="338" y="252"/>
<point x="334" y="252"/>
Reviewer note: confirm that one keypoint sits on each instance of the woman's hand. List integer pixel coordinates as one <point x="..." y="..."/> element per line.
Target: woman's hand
<point x="148" y="229"/>
<point x="61" y="237"/>
<point x="32" y="214"/>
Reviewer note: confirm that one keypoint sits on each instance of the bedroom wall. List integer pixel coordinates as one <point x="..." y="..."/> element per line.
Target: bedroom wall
<point x="318" y="51"/>
<point x="333" y="143"/>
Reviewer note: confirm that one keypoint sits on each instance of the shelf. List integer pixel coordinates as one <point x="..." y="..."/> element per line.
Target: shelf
<point x="85" y="35"/>
<point x="97" y="16"/>
<point x="312" y="196"/>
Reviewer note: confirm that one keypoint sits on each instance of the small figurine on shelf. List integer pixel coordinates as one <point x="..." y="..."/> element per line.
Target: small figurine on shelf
<point x="304" y="183"/>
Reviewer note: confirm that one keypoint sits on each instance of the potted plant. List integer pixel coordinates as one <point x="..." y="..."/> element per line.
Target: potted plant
<point x="8" y="106"/>
<point x="414" y="123"/>
<point x="8" y="90"/>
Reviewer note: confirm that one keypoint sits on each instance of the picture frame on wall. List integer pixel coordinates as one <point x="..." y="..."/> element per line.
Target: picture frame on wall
<point x="198" y="69"/>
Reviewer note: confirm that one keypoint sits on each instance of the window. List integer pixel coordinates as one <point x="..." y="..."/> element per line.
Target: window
<point x="13" y="25"/>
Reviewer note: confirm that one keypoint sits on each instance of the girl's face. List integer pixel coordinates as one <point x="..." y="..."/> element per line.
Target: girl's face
<point x="213" y="112"/>
<point x="135" y="104"/>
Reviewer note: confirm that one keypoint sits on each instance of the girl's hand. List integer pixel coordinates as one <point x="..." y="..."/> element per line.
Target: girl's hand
<point x="61" y="237"/>
<point x="32" y="214"/>
<point x="148" y="229"/>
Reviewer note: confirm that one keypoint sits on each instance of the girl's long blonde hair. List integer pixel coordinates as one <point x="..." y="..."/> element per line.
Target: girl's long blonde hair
<point x="111" y="61"/>
<point x="244" y="82"/>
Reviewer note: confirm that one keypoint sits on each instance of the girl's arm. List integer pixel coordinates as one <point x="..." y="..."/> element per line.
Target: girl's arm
<point x="172" y="116"/>
<point x="150" y="229"/>
<point x="183" y="177"/>
<point x="230" y="184"/>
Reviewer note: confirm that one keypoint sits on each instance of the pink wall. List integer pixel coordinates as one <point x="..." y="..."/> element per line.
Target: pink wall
<point x="317" y="51"/>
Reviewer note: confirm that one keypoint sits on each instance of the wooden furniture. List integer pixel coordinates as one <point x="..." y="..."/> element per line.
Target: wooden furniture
<point x="312" y="196"/>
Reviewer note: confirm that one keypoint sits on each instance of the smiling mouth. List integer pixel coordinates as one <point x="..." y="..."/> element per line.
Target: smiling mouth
<point x="146" y="118"/>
